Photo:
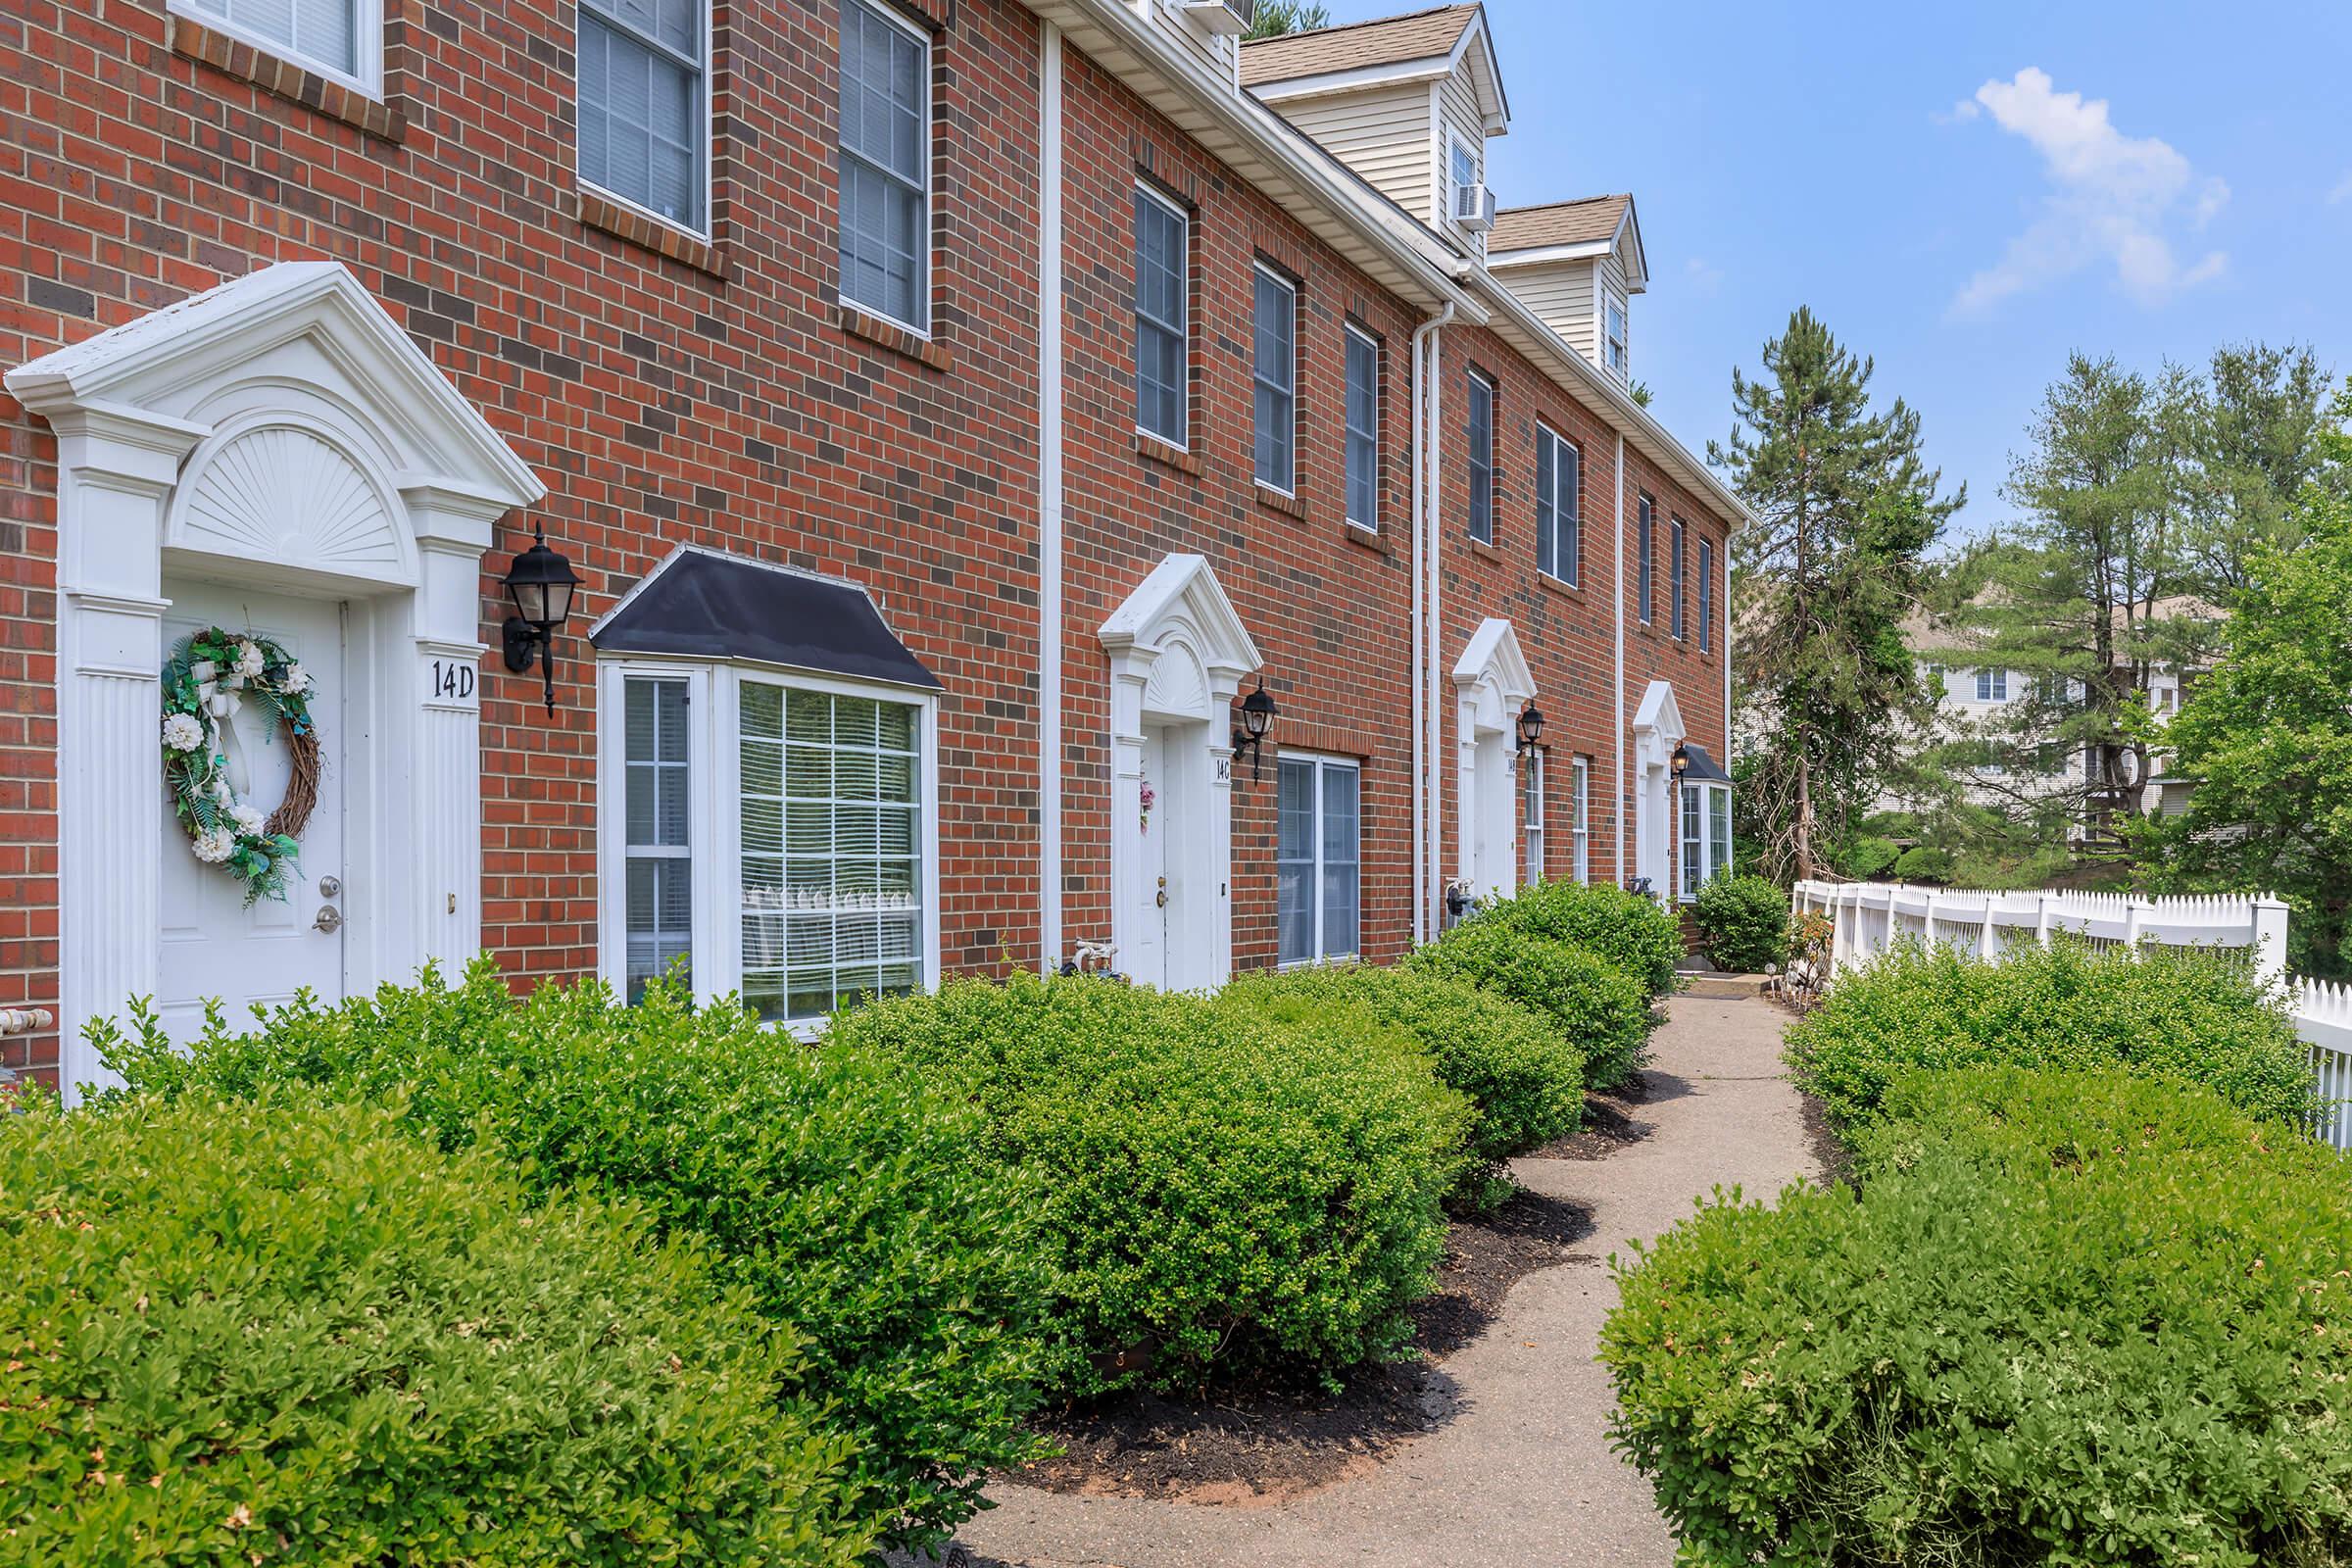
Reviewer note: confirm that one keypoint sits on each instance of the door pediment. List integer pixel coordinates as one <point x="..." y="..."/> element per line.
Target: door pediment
<point x="1492" y="678"/>
<point x="1178" y="638"/>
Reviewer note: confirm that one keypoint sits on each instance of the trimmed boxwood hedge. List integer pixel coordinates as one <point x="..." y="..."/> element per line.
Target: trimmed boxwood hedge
<point x="2195" y="1013"/>
<point x="1744" y="921"/>
<point x="1525" y="1081"/>
<point x="1638" y="934"/>
<point x="2081" y="1317"/>
<point x="855" y="1204"/>
<point x="1594" y="1003"/>
<point x="1224" y="1191"/>
<point x="282" y="1332"/>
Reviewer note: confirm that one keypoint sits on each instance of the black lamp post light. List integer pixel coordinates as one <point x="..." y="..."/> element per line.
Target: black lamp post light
<point x="1531" y="724"/>
<point x="1681" y="760"/>
<point x="1259" y="713"/>
<point x="540" y="582"/>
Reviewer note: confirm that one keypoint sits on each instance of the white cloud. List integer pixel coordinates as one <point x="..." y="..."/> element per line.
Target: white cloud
<point x="2343" y="191"/>
<point x="2110" y="200"/>
<point x="1704" y="277"/>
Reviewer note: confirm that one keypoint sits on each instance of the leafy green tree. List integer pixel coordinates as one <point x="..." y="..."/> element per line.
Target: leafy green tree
<point x="2266" y="733"/>
<point x="1275" y="18"/>
<point x="2252" y="428"/>
<point x="1845" y="510"/>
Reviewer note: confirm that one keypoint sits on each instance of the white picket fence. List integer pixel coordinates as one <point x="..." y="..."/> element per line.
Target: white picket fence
<point x="1869" y="918"/>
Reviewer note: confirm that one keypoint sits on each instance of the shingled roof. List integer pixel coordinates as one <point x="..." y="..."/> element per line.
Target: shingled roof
<point x="1355" y="46"/>
<point x="1591" y="219"/>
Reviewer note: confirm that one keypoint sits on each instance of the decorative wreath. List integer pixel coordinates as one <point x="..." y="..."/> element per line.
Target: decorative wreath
<point x="211" y="674"/>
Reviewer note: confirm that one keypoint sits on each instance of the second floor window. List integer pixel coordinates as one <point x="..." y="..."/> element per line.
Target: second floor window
<point x="325" y="33"/>
<point x="1706" y="595"/>
<point x="1363" y="429"/>
<point x="644" y="125"/>
<point x="1161" y="291"/>
<point x="1482" y="459"/>
<point x="885" y="165"/>
<point x="1993" y="685"/>
<point x="1559" y="506"/>
<point x="1275" y="370"/>
<point x="1674" y="577"/>
<point x="1646" y="548"/>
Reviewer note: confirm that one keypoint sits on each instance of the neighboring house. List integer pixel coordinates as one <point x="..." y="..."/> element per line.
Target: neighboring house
<point x="951" y="413"/>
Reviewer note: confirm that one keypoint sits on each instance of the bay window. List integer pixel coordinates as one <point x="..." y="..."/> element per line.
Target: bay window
<point x="1319" y="859"/>
<point x="1706" y="820"/>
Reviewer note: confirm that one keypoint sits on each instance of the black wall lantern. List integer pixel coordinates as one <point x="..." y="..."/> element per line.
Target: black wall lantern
<point x="540" y="582"/>
<point x="1531" y="724"/>
<point x="1682" y="758"/>
<point x="1259" y="713"/>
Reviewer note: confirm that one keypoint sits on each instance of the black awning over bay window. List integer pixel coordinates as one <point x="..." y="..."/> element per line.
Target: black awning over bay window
<point x="1703" y="769"/>
<point x="700" y="604"/>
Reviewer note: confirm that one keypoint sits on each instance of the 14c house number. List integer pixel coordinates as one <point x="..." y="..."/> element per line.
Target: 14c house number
<point x="452" y="681"/>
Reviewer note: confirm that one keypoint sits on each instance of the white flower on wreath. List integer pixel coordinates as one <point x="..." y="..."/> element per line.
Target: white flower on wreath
<point x="215" y="846"/>
<point x="182" y="732"/>
<point x="298" y="680"/>
<point x="249" y="820"/>
<point x="249" y="659"/>
<point x="222" y="792"/>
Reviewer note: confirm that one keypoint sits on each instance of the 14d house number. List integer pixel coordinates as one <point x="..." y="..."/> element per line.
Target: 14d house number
<point x="452" y="681"/>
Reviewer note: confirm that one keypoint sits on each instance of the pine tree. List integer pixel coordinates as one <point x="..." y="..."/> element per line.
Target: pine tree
<point x="1845" y="510"/>
<point x="1275" y="18"/>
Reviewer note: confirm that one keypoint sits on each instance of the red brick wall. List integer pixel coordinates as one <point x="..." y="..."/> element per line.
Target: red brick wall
<point x="715" y="399"/>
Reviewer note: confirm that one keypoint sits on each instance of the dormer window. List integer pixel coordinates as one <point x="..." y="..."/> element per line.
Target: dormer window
<point x="1462" y="171"/>
<point x="1620" y="362"/>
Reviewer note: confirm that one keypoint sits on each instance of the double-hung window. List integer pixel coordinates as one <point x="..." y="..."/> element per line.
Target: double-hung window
<point x="1646" y="550"/>
<point x="1706" y="595"/>
<point x="1275" y="369"/>
<point x="1559" y="506"/>
<point x="1675" y="552"/>
<point x="1707" y="835"/>
<point x="778" y="831"/>
<point x="1363" y="428"/>
<point x="885" y="165"/>
<point x="1162" y="289"/>
<point x="1461" y="172"/>
<point x="645" y="118"/>
<point x="1531" y="764"/>
<point x="1620" y="361"/>
<point x="1319" y="859"/>
<point x="338" y="38"/>
<point x="1482" y="459"/>
<point x="1993" y="685"/>
<point x="1581" y="825"/>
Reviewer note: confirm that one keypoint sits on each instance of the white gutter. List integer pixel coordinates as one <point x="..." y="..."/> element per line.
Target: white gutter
<point x="1625" y="747"/>
<point x="1049" y="501"/>
<point x="1426" y="475"/>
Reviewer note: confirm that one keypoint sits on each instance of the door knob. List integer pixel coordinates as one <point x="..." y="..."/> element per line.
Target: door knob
<point x="330" y="887"/>
<point x="330" y="921"/>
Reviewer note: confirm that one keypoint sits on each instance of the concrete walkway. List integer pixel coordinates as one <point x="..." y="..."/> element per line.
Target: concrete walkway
<point x="1523" y="1474"/>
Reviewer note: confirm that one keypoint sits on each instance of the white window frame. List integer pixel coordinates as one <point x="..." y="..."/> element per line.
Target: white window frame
<point x="922" y="141"/>
<point x="1567" y="525"/>
<point x="1532" y="803"/>
<point x="1456" y="142"/>
<point x="1580" y="823"/>
<point x="1646" y="550"/>
<point x="1694" y="854"/>
<point x="1323" y="763"/>
<point x="1678" y="572"/>
<point x="710" y="123"/>
<point x="1183" y="330"/>
<point x="714" y="810"/>
<point x="1706" y="594"/>
<point x="1616" y="345"/>
<point x="1993" y="685"/>
<point x="1258" y="377"/>
<point x="367" y="29"/>
<point x="1480" y="459"/>
<point x="1349" y="433"/>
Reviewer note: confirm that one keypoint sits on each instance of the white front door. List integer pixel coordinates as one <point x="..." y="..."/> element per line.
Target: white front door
<point x="1149" y="964"/>
<point x="215" y="946"/>
<point x="1654" y="821"/>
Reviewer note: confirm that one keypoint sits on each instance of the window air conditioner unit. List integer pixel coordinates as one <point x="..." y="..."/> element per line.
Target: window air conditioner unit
<point x="1473" y="208"/>
<point x="1227" y="19"/>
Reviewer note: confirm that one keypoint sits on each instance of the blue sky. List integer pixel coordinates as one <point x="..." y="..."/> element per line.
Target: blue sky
<point x="1941" y="187"/>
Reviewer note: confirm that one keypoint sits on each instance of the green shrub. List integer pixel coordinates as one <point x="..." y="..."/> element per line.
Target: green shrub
<point x="1638" y="934"/>
<point x="2193" y="1013"/>
<point x="2070" y="1318"/>
<point x="1524" y="1081"/>
<point x="1923" y="864"/>
<point x="1595" y="1004"/>
<point x="284" y="1332"/>
<point x="1868" y="856"/>
<point x="1221" y="1194"/>
<point x="1744" y="921"/>
<point x="849" y="1200"/>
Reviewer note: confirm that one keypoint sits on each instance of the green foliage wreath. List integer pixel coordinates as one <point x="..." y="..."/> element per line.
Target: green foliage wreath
<point x="211" y="674"/>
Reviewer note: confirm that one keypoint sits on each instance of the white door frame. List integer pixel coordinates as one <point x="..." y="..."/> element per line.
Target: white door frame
<point x="1492" y="683"/>
<point x="1657" y="731"/>
<point x="278" y="430"/>
<point x="1178" y="652"/>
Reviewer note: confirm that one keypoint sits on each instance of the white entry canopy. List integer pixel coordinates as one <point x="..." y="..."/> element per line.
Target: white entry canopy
<point x="1493" y="676"/>
<point x="1657" y="725"/>
<point x="1181" y="635"/>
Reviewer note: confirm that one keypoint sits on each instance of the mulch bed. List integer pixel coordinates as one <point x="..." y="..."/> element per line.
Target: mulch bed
<point x="1267" y="1444"/>
<point x="1609" y="1122"/>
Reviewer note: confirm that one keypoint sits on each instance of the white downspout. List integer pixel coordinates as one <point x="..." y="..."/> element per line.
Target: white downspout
<point x="1427" y="401"/>
<point x="1625" y="741"/>
<point x="1049" y="501"/>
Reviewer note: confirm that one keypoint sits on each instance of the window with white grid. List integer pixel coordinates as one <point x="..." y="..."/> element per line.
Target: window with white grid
<point x="832" y="846"/>
<point x="340" y="38"/>
<point x="1582" y="785"/>
<point x="1531" y="768"/>
<point x="1363" y="428"/>
<point x="1162" y="346"/>
<point x="660" y="864"/>
<point x="644" y="121"/>
<point x="1559" y="506"/>
<point x="1319" y="859"/>
<point x="1274" y="367"/>
<point x="885" y="164"/>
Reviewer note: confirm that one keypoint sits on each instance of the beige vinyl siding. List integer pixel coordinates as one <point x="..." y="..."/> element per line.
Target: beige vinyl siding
<point x="1218" y="59"/>
<point x="1560" y="293"/>
<point x="1458" y="107"/>
<point x="1382" y="134"/>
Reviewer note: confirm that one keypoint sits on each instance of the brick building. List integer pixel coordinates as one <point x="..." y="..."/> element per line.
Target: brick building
<point x="919" y="392"/>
